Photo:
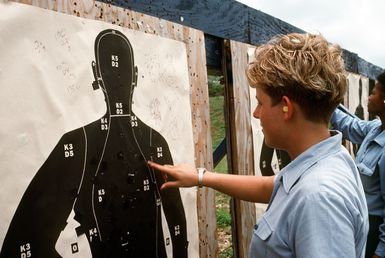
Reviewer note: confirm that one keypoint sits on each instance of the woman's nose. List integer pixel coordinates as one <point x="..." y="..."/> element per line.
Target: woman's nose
<point x="256" y="113"/>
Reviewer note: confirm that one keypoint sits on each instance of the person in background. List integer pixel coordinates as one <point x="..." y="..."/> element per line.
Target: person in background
<point x="370" y="160"/>
<point x="317" y="205"/>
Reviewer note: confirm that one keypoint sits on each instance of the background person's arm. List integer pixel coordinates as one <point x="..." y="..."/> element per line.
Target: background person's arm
<point x="352" y="128"/>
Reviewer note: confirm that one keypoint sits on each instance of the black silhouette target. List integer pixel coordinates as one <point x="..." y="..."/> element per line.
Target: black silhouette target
<point x="100" y="173"/>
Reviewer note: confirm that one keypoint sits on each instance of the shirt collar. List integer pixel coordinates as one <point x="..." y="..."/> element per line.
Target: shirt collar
<point x="380" y="138"/>
<point x="294" y="170"/>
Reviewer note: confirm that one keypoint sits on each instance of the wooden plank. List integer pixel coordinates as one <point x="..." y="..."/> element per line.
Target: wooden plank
<point x="196" y="57"/>
<point x="222" y="18"/>
<point x="227" y="19"/>
<point x="355" y="64"/>
<point x="241" y="142"/>
<point x="246" y="218"/>
<point x="262" y="27"/>
<point x="350" y="60"/>
<point x="367" y="69"/>
<point x="229" y="125"/>
<point x="202" y="139"/>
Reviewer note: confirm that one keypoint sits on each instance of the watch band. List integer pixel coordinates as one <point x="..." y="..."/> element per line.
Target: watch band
<point x="201" y="171"/>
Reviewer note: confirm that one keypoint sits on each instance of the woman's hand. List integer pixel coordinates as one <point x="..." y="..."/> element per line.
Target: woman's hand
<point x="182" y="175"/>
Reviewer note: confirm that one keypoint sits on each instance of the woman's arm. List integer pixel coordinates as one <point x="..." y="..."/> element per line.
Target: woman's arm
<point x="247" y="188"/>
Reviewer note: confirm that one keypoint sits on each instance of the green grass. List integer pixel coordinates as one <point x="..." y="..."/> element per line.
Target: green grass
<point x="215" y="86"/>
<point x="217" y="119"/>
<point x="226" y="253"/>
<point x="218" y="128"/>
<point x="223" y="217"/>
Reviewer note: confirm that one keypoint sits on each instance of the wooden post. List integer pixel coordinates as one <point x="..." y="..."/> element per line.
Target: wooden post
<point x="240" y="137"/>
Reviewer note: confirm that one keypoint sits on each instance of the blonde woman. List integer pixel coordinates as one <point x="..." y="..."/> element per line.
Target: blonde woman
<point x="317" y="205"/>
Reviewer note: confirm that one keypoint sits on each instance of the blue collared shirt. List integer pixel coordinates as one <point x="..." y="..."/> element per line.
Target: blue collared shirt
<point x="317" y="208"/>
<point x="370" y="160"/>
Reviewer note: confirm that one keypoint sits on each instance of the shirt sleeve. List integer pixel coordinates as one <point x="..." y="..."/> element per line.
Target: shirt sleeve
<point x="324" y="226"/>
<point x="352" y="128"/>
<point x="380" y="250"/>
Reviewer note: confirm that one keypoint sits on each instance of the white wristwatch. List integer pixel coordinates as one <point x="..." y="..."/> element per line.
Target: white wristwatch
<point x="201" y="171"/>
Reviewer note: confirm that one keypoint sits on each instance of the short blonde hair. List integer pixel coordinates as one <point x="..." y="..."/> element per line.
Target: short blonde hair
<point x="304" y="67"/>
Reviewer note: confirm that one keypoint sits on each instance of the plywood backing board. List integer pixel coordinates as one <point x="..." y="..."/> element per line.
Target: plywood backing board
<point x="241" y="142"/>
<point x="196" y="55"/>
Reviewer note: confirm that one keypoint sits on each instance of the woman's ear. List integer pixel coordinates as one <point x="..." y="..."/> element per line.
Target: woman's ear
<point x="287" y="107"/>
